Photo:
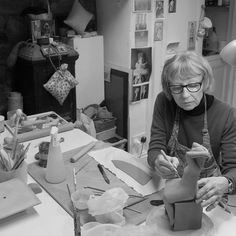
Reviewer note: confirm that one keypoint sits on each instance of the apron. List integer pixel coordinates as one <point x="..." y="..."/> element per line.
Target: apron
<point x="174" y="148"/>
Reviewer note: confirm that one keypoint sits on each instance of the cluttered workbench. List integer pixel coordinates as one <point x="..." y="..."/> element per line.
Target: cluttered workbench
<point x="53" y="215"/>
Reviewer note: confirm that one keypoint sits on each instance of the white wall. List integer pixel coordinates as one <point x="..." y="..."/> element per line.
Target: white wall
<point x="115" y="23"/>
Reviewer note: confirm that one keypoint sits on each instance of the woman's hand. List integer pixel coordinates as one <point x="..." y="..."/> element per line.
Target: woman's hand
<point x="166" y="166"/>
<point x="210" y="191"/>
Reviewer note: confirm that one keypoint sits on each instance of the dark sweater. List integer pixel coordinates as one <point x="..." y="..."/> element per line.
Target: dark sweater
<point x="221" y="120"/>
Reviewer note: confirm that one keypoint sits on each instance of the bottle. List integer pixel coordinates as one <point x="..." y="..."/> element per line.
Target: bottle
<point x="55" y="170"/>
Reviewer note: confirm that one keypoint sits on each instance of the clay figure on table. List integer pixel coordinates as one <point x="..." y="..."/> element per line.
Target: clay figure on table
<point x="141" y="69"/>
<point x="185" y="113"/>
<point x="179" y="193"/>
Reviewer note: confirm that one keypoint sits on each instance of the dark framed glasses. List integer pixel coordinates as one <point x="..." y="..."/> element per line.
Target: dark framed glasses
<point x="192" y="88"/>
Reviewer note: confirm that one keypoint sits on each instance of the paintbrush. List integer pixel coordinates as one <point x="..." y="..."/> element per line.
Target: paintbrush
<point x="74" y="179"/>
<point x="76" y="216"/>
<point x="21" y="158"/>
<point x="15" y="141"/>
<point x="166" y="158"/>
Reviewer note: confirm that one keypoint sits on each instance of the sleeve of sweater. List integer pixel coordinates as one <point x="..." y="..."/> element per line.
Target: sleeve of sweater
<point x="158" y="130"/>
<point x="228" y="148"/>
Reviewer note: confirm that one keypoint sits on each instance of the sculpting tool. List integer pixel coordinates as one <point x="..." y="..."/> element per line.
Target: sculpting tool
<point x="102" y="171"/>
<point x="166" y="158"/>
<point x="224" y="206"/>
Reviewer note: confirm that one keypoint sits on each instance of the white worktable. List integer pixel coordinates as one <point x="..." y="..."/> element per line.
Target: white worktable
<point x="49" y="218"/>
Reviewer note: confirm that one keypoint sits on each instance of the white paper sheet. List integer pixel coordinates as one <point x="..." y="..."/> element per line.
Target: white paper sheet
<point x="105" y="157"/>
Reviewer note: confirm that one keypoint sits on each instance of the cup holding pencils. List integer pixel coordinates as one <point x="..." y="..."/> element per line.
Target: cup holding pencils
<point x="13" y="167"/>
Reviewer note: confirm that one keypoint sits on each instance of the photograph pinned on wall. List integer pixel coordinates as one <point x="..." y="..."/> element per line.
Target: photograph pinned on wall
<point x="144" y="91"/>
<point x="159" y="9"/>
<point x="141" y="38"/>
<point x="136" y="90"/>
<point x="141" y="63"/>
<point x="142" y="5"/>
<point x="141" y="21"/>
<point x="192" y="29"/>
<point x="172" y="6"/>
<point x="158" y="31"/>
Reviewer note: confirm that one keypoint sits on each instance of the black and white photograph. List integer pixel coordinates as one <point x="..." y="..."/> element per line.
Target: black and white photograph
<point x="172" y="6"/>
<point x="136" y="93"/>
<point x="142" y="5"/>
<point x="141" y="38"/>
<point x="141" y="21"/>
<point x="159" y="9"/>
<point x="144" y="91"/>
<point x="141" y="64"/>
<point x="192" y="30"/>
<point x="158" y="31"/>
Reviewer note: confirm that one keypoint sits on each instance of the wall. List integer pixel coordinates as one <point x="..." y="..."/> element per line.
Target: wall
<point x="115" y="23"/>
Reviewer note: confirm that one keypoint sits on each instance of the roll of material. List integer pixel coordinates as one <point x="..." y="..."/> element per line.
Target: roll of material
<point x="43" y="132"/>
<point x="84" y="150"/>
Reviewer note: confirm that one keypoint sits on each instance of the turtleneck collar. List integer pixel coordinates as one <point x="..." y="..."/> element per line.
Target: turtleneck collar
<point x="201" y="107"/>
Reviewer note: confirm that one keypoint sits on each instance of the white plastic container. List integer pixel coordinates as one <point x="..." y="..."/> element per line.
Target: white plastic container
<point x="55" y="170"/>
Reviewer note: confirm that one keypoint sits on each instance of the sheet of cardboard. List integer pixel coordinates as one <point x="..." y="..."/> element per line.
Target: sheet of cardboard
<point x="15" y="196"/>
<point x="90" y="176"/>
<point x="107" y="157"/>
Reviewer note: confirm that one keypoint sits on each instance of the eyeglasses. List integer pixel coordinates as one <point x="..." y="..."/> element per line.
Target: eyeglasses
<point x="192" y="88"/>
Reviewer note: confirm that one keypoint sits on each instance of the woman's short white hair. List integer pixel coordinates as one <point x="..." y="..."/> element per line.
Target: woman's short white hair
<point x="186" y="65"/>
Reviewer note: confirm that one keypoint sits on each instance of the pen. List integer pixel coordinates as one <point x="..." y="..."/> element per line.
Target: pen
<point x="166" y="158"/>
<point x="103" y="173"/>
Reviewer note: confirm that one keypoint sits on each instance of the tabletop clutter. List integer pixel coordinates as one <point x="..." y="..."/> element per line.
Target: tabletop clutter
<point x="105" y="207"/>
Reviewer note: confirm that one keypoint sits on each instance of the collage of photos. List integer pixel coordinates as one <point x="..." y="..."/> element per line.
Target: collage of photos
<point x="141" y="53"/>
<point x="158" y="25"/>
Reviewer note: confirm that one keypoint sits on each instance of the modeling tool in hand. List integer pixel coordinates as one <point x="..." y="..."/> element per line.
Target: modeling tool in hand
<point x="166" y="158"/>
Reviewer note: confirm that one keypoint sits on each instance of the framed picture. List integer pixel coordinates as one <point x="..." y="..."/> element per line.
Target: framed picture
<point x="142" y="5"/>
<point x="35" y="30"/>
<point x="136" y="93"/>
<point x="159" y="9"/>
<point x="47" y="28"/>
<point x="192" y="31"/>
<point x="158" y="31"/>
<point x="141" y="21"/>
<point x="141" y="38"/>
<point x="141" y="63"/>
<point x="144" y="91"/>
<point x="172" y="6"/>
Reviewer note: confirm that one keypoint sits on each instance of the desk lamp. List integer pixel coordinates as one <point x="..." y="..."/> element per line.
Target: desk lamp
<point x="228" y="53"/>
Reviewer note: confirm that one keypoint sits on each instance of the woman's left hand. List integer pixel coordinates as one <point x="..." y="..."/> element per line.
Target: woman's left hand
<point x="211" y="190"/>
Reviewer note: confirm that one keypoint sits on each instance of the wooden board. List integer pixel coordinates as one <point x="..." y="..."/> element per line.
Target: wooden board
<point x="90" y="176"/>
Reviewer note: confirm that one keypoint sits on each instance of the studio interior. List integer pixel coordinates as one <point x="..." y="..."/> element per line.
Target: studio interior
<point x="82" y="83"/>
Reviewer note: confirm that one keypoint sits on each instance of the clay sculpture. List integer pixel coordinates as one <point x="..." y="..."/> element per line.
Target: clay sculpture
<point x="179" y="194"/>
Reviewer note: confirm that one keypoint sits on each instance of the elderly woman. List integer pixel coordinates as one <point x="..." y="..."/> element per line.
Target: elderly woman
<point x="184" y="113"/>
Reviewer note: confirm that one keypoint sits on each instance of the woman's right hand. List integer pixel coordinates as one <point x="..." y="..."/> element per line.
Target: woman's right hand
<point x="166" y="166"/>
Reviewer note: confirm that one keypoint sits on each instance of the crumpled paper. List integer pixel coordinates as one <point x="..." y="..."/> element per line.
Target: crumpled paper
<point x="108" y="208"/>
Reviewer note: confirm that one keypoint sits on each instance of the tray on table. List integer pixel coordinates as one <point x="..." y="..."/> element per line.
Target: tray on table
<point x="39" y="130"/>
<point x="90" y="176"/>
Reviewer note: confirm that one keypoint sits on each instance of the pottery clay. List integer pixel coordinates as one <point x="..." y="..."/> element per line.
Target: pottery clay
<point x="179" y="194"/>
